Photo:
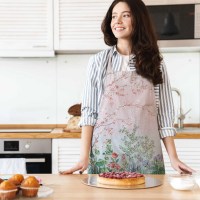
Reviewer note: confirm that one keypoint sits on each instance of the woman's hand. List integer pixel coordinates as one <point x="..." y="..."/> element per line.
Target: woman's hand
<point x="81" y="166"/>
<point x="181" y="167"/>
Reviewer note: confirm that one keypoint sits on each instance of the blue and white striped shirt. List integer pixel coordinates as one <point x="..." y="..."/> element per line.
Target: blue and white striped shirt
<point x="94" y="89"/>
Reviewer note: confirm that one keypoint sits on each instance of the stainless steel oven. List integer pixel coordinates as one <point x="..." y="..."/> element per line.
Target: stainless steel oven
<point x="177" y="22"/>
<point x="37" y="153"/>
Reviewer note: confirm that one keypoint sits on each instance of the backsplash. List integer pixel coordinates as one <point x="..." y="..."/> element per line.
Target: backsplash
<point x="184" y="72"/>
<point x="40" y="90"/>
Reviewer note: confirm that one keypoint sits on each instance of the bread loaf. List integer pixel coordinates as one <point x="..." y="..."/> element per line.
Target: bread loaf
<point x="75" y="110"/>
<point x="73" y="124"/>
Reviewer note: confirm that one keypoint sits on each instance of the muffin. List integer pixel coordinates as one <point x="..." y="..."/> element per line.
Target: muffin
<point x="30" y="187"/>
<point x="16" y="179"/>
<point x="1" y="180"/>
<point x="7" y="190"/>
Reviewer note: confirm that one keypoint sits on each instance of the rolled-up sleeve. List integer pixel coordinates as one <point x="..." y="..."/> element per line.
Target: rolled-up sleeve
<point x="166" y="107"/>
<point x="89" y="111"/>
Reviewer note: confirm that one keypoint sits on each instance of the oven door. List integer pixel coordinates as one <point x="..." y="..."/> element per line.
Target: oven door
<point x="35" y="163"/>
<point x="173" y="22"/>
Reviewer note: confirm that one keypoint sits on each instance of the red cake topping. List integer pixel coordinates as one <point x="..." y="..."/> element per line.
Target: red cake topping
<point x="121" y="175"/>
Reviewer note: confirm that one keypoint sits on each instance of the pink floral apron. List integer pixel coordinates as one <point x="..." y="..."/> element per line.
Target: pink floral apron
<point x="126" y="137"/>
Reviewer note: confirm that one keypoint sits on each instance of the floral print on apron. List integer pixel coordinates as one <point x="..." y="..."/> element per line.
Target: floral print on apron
<point x="126" y="137"/>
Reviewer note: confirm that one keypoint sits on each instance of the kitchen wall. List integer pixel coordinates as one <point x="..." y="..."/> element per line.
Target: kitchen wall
<point x="40" y="90"/>
<point x="184" y="72"/>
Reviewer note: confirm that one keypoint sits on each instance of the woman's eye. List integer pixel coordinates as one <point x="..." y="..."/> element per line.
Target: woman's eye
<point x="126" y="15"/>
<point x="113" y="17"/>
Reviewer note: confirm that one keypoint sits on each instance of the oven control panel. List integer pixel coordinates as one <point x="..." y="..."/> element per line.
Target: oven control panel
<point x="11" y="145"/>
<point x="25" y="146"/>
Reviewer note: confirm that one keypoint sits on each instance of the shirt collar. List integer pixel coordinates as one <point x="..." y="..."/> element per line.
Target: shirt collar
<point x="115" y="52"/>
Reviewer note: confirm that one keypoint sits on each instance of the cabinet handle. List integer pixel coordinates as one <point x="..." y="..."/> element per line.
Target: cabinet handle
<point x="39" y="46"/>
<point x="35" y="160"/>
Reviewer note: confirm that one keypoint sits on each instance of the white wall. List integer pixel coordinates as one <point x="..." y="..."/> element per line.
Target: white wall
<point x="40" y="90"/>
<point x="184" y="72"/>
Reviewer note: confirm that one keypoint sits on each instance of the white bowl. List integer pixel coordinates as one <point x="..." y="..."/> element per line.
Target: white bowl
<point x="196" y="176"/>
<point x="181" y="181"/>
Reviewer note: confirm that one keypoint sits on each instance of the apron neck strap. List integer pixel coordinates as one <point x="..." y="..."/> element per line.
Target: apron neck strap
<point x="109" y="66"/>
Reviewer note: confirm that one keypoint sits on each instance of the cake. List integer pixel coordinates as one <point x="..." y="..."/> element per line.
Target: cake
<point x="7" y="190"/>
<point x="121" y="178"/>
<point x="30" y="187"/>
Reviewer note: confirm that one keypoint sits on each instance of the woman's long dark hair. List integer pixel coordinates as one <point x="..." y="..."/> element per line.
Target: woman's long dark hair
<point x="144" y="42"/>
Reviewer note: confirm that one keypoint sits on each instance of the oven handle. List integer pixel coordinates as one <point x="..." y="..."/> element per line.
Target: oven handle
<point x="35" y="160"/>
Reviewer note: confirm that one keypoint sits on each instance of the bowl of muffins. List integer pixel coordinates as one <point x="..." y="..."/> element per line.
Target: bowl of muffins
<point x="10" y="188"/>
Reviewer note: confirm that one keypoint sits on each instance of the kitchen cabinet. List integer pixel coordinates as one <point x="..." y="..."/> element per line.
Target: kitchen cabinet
<point x="77" y="25"/>
<point x="26" y="28"/>
<point x="65" y="153"/>
<point x="188" y="151"/>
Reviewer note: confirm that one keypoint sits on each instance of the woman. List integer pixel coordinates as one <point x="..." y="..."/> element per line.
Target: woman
<point x="127" y="104"/>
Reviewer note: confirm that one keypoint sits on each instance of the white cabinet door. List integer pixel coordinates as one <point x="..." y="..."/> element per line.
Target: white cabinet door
<point x="77" y="25"/>
<point x="65" y="154"/>
<point x="188" y="151"/>
<point x="26" y="28"/>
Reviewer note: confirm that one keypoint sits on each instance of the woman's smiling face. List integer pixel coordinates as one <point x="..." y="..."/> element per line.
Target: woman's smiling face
<point x="121" y="23"/>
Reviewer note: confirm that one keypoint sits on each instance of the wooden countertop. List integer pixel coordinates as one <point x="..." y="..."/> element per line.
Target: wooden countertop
<point x="59" y="133"/>
<point x="71" y="187"/>
<point x="55" y="133"/>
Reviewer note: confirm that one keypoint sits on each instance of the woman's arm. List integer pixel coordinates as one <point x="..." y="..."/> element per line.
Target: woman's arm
<point x="175" y="162"/>
<point x="86" y="137"/>
<point x="88" y="117"/>
<point x="166" y="121"/>
<point x="166" y="112"/>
